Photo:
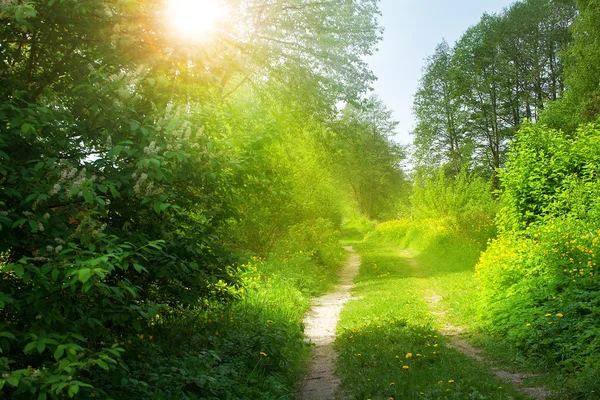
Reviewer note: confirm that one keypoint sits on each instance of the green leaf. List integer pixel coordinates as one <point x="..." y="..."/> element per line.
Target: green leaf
<point x="115" y="193"/>
<point x="13" y="381"/>
<point x="30" y="346"/>
<point x="54" y="274"/>
<point x="84" y="274"/>
<point x="18" y="270"/>
<point x="33" y="225"/>
<point x="19" y="222"/>
<point x="25" y="127"/>
<point x="73" y="389"/>
<point x="31" y="197"/>
<point x="59" y="352"/>
<point x="115" y="151"/>
<point x="8" y="335"/>
<point x="30" y="12"/>
<point x="42" y="396"/>
<point x="87" y="195"/>
<point x="41" y="346"/>
<point x="139" y="268"/>
<point x="102" y="364"/>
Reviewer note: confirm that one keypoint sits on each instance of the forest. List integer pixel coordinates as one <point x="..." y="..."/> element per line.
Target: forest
<point x="171" y="203"/>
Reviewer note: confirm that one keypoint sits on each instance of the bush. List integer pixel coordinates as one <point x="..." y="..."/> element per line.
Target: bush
<point x="538" y="280"/>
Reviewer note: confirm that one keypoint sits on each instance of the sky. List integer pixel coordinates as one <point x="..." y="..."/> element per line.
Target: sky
<point x="412" y="30"/>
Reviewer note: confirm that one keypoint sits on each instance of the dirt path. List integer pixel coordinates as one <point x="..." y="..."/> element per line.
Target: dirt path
<point x="320" y="382"/>
<point x="453" y="333"/>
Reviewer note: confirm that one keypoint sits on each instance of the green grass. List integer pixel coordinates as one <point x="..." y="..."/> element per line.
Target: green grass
<point x="390" y="326"/>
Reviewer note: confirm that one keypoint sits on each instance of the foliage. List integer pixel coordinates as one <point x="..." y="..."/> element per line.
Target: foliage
<point x="538" y="280"/>
<point x="473" y="97"/>
<point x="440" y="136"/>
<point x="128" y="164"/>
<point x="583" y="62"/>
<point x="465" y="199"/>
<point x="365" y="159"/>
<point x="251" y="348"/>
<point x="549" y="174"/>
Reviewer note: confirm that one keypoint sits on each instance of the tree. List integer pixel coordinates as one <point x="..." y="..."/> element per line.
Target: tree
<point x="365" y="157"/>
<point x="583" y="72"/>
<point x="117" y="179"/>
<point x="440" y="135"/>
<point x="503" y="70"/>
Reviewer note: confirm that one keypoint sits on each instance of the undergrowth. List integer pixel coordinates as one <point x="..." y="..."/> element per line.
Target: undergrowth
<point x="251" y="348"/>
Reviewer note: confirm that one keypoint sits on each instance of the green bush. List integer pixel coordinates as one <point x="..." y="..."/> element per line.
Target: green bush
<point x="538" y="281"/>
<point x="545" y="168"/>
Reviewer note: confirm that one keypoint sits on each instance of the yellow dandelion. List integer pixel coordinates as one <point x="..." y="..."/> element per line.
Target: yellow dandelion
<point x="405" y="367"/>
<point x="262" y="353"/>
<point x="559" y="315"/>
<point x="408" y="355"/>
<point x="451" y="381"/>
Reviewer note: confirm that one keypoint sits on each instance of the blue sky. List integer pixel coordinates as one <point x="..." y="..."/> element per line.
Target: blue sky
<point x="412" y="30"/>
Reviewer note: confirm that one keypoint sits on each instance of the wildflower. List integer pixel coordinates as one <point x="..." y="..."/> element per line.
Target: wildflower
<point x="548" y="315"/>
<point x="408" y="355"/>
<point x="559" y="315"/>
<point x="405" y="367"/>
<point x="451" y="381"/>
<point x="262" y="353"/>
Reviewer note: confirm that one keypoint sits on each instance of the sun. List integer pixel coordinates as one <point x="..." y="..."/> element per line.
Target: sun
<point x="195" y="19"/>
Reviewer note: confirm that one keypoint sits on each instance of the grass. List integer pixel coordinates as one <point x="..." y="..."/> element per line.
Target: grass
<point x="388" y="339"/>
<point x="250" y="348"/>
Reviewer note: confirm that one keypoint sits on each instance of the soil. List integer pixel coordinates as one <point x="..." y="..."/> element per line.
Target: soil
<point x="320" y="382"/>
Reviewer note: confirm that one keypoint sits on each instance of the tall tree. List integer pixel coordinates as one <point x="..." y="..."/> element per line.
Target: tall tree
<point x="583" y="73"/>
<point x="117" y="181"/>
<point x="366" y="158"/>
<point x="440" y="134"/>
<point x="504" y="70"/>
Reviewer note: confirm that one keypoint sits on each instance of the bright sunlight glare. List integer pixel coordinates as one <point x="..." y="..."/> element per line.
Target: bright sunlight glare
<point x="195" y="19"/>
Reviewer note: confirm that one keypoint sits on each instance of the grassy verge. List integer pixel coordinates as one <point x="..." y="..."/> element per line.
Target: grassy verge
<point x="388" y="341"/>
<point x="251" y="348"/>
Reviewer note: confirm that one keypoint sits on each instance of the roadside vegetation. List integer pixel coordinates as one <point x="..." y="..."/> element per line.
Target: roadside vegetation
<point x="168" y="207"/>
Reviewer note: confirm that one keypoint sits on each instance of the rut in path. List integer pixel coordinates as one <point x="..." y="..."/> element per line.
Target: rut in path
<point x="320" y="382"/>
<point x="453" y="333"/>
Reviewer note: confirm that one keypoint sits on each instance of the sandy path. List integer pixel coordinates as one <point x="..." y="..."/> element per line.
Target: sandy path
<point x="320" y="382"/>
